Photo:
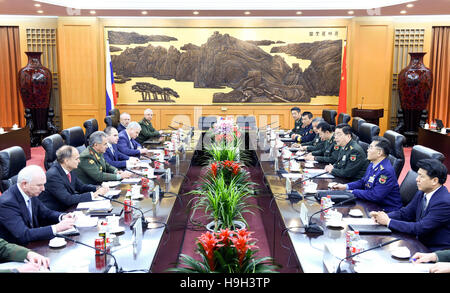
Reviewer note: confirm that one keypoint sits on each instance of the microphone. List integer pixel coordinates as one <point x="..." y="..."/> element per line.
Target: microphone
<point x="309" y="178"/>
<point x="268" y="124"/>
<point x="362" y="101"/>
<point x="118" y="270"/>
<point x="338" y="270"/>
<point x="172" y="127"/>
<point x="313" y="228"/>
<point x="144" y="221"/>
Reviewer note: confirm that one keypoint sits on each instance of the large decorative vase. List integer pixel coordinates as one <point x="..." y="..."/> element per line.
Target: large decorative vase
<point x="35" y="85"/>
<point x="414" y="85"/>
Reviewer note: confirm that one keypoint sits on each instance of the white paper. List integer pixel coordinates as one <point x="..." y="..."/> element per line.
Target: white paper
<point x="95" y="205"/>
<point x="131" y="180"/>
<point x="292" y="175"/>
<point x="377" y="267"/>
<point x="359" y="221"/>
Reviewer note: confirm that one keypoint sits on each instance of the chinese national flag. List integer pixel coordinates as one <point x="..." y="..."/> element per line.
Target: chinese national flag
<point x="342" y="108"/>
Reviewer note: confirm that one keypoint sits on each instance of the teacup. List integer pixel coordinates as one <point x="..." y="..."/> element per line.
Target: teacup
<point x="113" y="221"/>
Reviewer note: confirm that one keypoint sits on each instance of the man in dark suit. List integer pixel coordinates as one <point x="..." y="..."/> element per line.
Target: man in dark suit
<point x="10" y="252"/>
<point x="427" y="216"/>
<point x="127" y="143"/>
<point x="23" y="217"/>
<point x="63" y="188"/>
<point x="124" y="120"/>
<point x="112" y="155"/>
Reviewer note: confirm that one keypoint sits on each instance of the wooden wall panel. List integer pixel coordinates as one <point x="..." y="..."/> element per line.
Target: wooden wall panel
<point x="80" y="65"/>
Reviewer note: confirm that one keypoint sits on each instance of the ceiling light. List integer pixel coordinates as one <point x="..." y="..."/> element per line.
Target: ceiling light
<point x="351" y="12"/>
<point x="92" y="12"/>
<point x="403" y="12"/>
<point x="298" y="12"/>
<point x="40" y="11"/>
<point x="37" y="5"/>
<point x="144" y="12"/>
<point x="247" y="12"/>
<point x="195" y="12"/>
<point x="409" y="5"/>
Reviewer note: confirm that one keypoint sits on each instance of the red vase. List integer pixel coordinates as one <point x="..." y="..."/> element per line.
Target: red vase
<point x="414" y="85"/>
<point x="35" y="85"/>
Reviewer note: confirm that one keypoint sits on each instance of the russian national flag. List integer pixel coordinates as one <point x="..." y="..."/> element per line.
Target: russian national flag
<point x="111" y="96"/>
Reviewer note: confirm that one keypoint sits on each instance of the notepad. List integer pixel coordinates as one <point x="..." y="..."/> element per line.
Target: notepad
<point x="131" y="180"/>
<point x="95" y="205"/>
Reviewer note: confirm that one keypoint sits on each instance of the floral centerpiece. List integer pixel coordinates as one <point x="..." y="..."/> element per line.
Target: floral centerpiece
<point x="226" y="252"/>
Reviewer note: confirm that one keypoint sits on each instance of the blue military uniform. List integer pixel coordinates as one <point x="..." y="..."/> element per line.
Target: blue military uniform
<point x="379" y="185"/>
<point x="305" y="134"/>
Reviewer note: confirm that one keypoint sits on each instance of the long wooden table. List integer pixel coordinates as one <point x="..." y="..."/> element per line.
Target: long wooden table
<point x="308" y="250"/>
<point x="75" y="257"/>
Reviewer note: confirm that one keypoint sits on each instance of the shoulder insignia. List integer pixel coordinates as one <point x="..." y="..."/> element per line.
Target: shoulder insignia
<point x="101" y="169"/>
<point x="97" y="157"/>
<point x="351" y="147"/>
<point x="381" y="167"/>
<point x="353" y="158"/>
<point x="91" y="161"/>
<point x="382" y="179"/>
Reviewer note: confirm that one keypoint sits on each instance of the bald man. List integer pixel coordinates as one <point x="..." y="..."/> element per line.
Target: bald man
<point x="147" y="129"/>
<point x="124" y="120"/>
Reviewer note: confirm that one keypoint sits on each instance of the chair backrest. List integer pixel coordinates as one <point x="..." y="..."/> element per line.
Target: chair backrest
<point x="364" y="145"/>
<point x="397" y="164"/>
<point x="408" y="187"/>
<point x="420" y="152"/>
<point x="51" y="144"/>
<point x="74" y="136"/>
<point x="91" y="126"/>
<point x="397" y="141"/>
<point x="248" y="122"/>
<point x="329" y="116"/>
<point x="367" y="131"/>
<point x="356" y="124"/>
<point x="343" y="118"/>
<point x="205" y="122"/>
<point x="12" y="160"/>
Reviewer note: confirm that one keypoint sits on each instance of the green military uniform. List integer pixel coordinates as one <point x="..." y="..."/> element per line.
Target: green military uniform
<point x="93" y="169"/>
<point x="443" y="255"/>
<point x="297" y="126"/>
<point x="314" y="145"/>
<point x="12" y="252"/>
<point x="329" y="153"/>
<point x="351" y="163"/>
<point x="147" y="131"/>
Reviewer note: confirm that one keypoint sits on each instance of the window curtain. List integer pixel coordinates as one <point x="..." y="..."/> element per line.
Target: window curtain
<point x="439" y="106"/>
<point x="12" y="111"/>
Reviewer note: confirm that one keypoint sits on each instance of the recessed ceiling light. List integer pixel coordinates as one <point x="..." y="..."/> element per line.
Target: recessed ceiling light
<point x="92" y="12"/>
<point x="298" y="12"/>
<point x="195" y="12"/>
<point x="37" y="5"/>
<point x="409" y="5"/>
<point x="247" y="12"/>
<point x="144" y="12"/>
<point x="40" y="11"/>
<point x="351" y="12"/>
<point x="403" y="12"/>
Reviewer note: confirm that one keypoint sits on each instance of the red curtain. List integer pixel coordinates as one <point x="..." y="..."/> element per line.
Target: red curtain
<point x="11" y="108"/>
<point x="439" y="106"/>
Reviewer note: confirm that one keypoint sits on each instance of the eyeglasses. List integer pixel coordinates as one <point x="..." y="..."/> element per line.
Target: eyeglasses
<point x="373" y="147"/>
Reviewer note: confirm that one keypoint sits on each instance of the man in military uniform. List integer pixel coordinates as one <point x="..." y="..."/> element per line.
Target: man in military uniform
<point x="352" y="161"/>
<point x="315" y="144"/>
<point x="295" y="112"/>
<point x="306" y="132"/>
<point x="93" y="169"/>
<point x="10" y="252"/>
<point x="379" y="184"/>
<point x="147" y="129"/>
<point x="329" y="152"/>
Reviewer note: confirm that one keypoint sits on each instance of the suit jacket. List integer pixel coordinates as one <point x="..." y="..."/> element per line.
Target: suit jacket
<point x="15" y="223"/>
<point x="93" y="169"/>
<point x="118" y="159"/>
<point x="60" y="194"/>
<point x="128" y="147"/>
<point x="433" y="228"/>
<point x="120" y="127"/>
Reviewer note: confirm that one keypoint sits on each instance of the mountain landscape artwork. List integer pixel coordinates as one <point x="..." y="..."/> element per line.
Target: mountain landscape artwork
<point x="229" y="65"/>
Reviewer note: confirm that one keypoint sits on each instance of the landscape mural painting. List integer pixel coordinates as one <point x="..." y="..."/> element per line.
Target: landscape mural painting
<point x="226" y="65"/>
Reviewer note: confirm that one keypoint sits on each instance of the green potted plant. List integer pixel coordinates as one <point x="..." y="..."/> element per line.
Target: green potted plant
<point x="226" y="251"/>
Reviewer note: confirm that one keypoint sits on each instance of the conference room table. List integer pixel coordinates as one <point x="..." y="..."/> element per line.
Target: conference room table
<point x="284" y="228"/>
<point x="309" y="250"/>
<point x="130" y="256"/>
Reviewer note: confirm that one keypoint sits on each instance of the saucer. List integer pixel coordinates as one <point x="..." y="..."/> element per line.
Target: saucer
<point x="401" y="252"/>
<point x="139" y="196"/>
<point x="335" y="224"/>
<point x="118" y="229"/>
<point x="355" y="213"/>
<point x="57" y="242"/>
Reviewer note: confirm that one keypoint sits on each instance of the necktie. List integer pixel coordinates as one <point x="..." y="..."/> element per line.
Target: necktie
<point x="30" y="210"/>
<point x="69" y="177"/>
<point x="424" y="205"/>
